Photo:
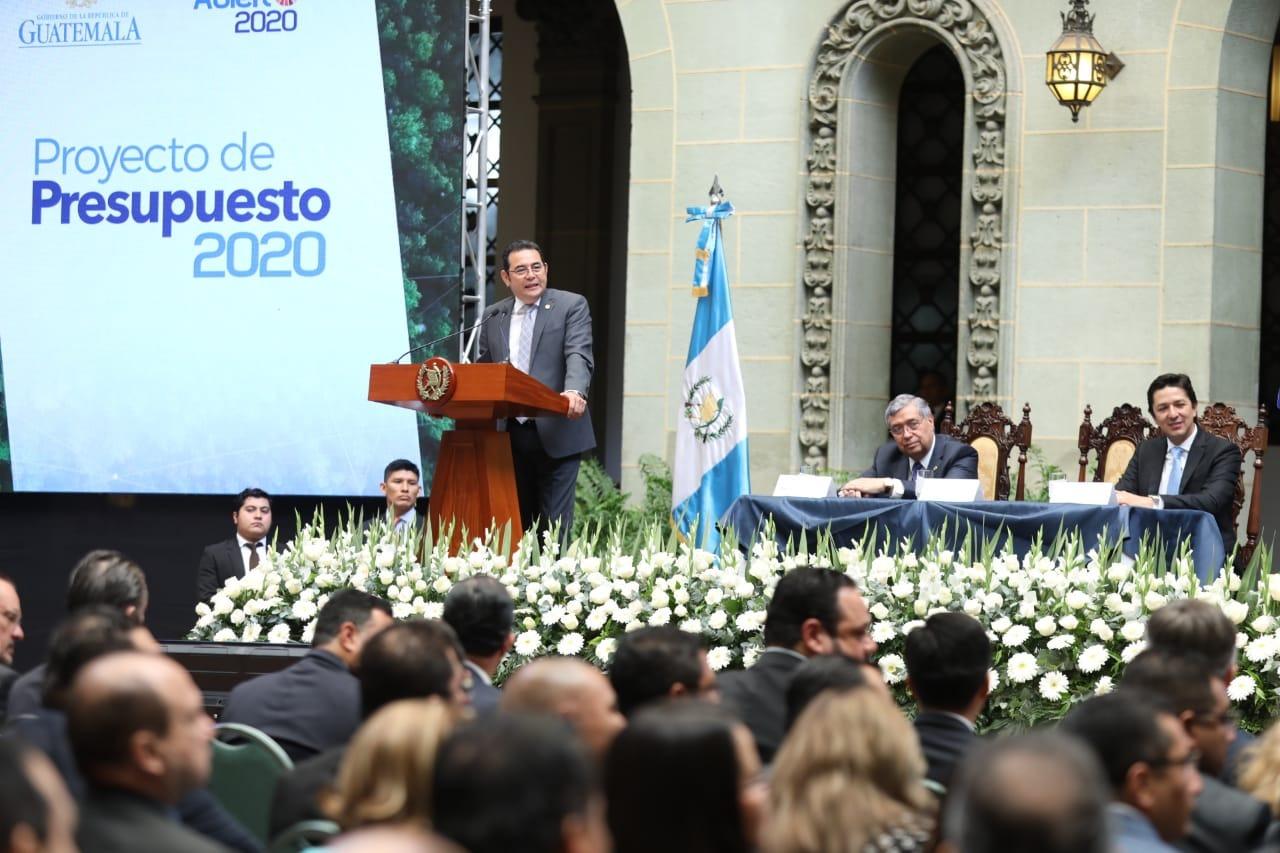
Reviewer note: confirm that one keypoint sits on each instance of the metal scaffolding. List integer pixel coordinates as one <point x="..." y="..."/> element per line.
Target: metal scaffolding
<point x="478" y="165"/>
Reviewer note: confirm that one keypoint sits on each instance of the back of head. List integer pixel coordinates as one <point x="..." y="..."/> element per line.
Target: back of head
<point x="1121" y="729"/>
<point x="111" y="578"/>
<point x="481" y="613"/>
<point x="1180" y="681"/>
<point x="345" y="605"/>
<point x="87" y="633"/>
<point x="649" y="661"/>
<point x="410" y="660"/>
<point x="24" y="814"/>
<point x="508" y="782"/>
<point x="386" y="770"/>
<point x="546" y="685"/>
<point x="1192" y="626"/>
<point x="677" y="760"/>
<point x="818" y="675"/>
<point x="947" y="661"/>
<point x="801" y="594"/>
<point x="1032" y="793"/>
<point x="849" y="769"/>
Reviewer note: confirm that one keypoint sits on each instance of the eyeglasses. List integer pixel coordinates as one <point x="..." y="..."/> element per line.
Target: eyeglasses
<point x="523" y="271"/>
<point x="1191" y="759"/>
<point x="1226" y="718"/>
<point x="909" y="426"/>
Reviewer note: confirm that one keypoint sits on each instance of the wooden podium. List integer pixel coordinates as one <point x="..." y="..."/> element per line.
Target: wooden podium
<point x="475" y="484"/>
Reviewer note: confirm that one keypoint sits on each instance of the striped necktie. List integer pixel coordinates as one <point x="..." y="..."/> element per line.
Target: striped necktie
<point x="525" y="346"/>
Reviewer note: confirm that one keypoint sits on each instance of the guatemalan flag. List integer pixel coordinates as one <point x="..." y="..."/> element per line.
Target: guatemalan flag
<point x="711" y="469"/>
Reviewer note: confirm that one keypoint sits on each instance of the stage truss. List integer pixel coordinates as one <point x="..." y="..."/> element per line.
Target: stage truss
<point x="480" y="193"/>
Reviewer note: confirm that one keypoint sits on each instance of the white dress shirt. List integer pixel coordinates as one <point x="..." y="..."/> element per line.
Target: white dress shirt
<point x="405" y="521"/>
<point x="245" y="550"/>
<point x="897" y="486"/>
<point x="1168" y="463"/>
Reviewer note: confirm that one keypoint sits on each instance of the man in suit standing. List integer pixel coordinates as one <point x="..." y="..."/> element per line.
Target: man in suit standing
<point x="547" y="334"/>
<point x="141" y="738"/>
<point x="947" y="661"/>
<point x="813" y="612"/>
<point x="315" y="704"/>
<point x="915" y="451"/>
<point x="481" y="612"/>
<point x="1184" y="467"/>
<point x="231" y="558"/>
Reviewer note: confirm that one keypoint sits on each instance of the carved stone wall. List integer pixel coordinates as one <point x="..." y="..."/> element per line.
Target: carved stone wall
<point x="964" y="26"/>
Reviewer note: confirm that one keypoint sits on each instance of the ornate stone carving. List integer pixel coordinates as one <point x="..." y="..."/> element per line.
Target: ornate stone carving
<point x="981" y="55"/>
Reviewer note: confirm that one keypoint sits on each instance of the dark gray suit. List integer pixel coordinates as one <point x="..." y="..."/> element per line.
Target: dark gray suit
<point x="484" y="696"/>
<point x="944" y="741"/>
<point x="26" y="694"/>
<point x="759" y="697"/>
<point x="306" y="708"/>
<point x="951" y="460"/>
<point x="1209" y="475"/>
<point x="219" y="562"/>
<point x="113" y="821"/>
<point x="1225" y="820"/>
<point x="547" y="450"/>
<point x="7" y="678"/>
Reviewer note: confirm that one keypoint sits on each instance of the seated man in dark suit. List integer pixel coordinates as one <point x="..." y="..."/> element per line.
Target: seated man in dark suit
<point x="947" y="661"/>
<point x="141" y="739"/>
<point x="231" y="558"/>
<point x="410" y="660"/>
<point x="1184" y="467"/>
<point x="315" y="704"/>
<point x="813" y="612"/>
<point x="657" y="663"/>
<point x="915" y="451"/>
<point x="1224" y="819"/>
<point x="480" y="611"/>
<point x="36" y="811"/>
<point x="10" y="634"/>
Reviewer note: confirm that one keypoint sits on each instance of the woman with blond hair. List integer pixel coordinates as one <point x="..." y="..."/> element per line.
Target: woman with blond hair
<point x="385" y="775"/>
<point x="849" y="779"/>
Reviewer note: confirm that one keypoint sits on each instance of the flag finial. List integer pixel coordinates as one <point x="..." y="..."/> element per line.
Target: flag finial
<point x="716" y="194"/>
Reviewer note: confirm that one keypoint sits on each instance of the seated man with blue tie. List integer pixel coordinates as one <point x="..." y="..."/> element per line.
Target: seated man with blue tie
<point x="1184" y="467"/>
<point x="231" y="558"/>
<point x="916" y="451"/>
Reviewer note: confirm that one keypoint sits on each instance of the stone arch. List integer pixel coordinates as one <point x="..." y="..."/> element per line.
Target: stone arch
<point x="853" y="96"/>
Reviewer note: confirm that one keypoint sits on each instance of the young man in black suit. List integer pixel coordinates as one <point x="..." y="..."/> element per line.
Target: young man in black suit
<point x="915" y="451"/>
<point x="1184" y="467"/>
<point x="482" y="614"/>
<point x="947" y="661"/>
<point x="232" y="557"/>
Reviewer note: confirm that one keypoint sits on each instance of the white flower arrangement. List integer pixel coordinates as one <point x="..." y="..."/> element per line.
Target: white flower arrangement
<point x="1063" y="621"/>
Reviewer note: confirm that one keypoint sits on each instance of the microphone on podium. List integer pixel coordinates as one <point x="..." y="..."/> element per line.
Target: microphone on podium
<point x="420" y="347"/>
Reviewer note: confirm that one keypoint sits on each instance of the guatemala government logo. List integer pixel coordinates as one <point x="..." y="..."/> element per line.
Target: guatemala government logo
<point x="705" y="410"/>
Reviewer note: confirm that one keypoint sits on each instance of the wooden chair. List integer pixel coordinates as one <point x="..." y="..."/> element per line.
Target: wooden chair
<point x="1221" y="420"/>
<point x="1114" y="441"/>
<point x="989" y="431"/>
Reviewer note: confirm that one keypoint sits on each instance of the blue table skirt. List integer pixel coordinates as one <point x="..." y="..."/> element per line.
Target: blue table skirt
<point x="849" y="519"/>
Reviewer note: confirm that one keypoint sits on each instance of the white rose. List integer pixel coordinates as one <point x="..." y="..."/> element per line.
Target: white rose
<point x="681" y="596"/>
<point x="226" y="635"/>
<point x="406" y="594"/>
<point x="202" y="609"/>
<point x="313" y="549"/>
<point x="383" y="559"/>
<point x="1069" y="622"/>
<point x="1263" y="623"/>
<point x="553" y="586"/>
<point x="442" y="584"/>
<point x="222" y="605"/>
<point x="1046" y="625"/>
<point x="660" y="599"/>
<point x="529" y="622"/>
<point x="879" y="611"/>
<point x="1237" y="611"/>
<point x="973" y="607"/>
<point x="692" y="626"/>
<point x="1004" y="623"/>
<point x="714" y="597"/>
<point x="293" y="586"/>
<point x="1273" y="587"/>
<point x="569" y="621"/>
<point x="237" y="617"/>
<point x="1101" y="630"/>
<point x="716" y="621"/>
<point x="1117" y="572"/>
<point x="1154" y="600"/>
<point x="1077" y="599"/>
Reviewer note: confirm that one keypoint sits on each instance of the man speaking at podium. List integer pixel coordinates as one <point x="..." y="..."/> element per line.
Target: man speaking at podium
<point x="547" y="334"/>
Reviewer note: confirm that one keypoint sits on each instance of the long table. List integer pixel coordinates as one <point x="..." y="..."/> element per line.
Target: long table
<point x="848" y="519"/>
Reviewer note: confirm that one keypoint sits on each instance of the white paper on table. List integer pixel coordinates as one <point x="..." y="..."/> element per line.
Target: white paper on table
<point x="1098" y="494"/>
<point x="948" y="491"/>
<point x="804" y="486"/>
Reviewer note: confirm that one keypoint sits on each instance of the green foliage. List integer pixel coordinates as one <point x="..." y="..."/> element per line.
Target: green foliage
<point x="1045" y="471"/>
<point x="601" y="508"/>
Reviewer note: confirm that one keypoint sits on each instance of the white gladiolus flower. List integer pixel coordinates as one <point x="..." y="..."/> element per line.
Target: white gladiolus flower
<point x="661" y="616"/>
<point x="1022" y="668"/>
<point x="1092" y="658"/>
<point x="1060" y="642"/>
<point x="1273" y="587"/>
<point x="1016" y="636"/>
<point x="226" y="635"/>
<point x="605" y="649"/>
<point x="1133" y="631"/>
<point x="903" y="589"/>
<point x="279" y="633"/>
<point x="313" y="549"/>
<point x="719" y="658"/>
<point x="716" y="621"/>
<point x="570" y="644"/>
<point x="893" y="668"/>
<point x="1240" y="688"/>
<point x="1053" y="685"/>
<point x="882" y="568"/>
<point x="1104" y="687"/>
<point x="231" y="588"/>
<point x="1078" y="599"/>
<point x="1131" y="651"/>
<point x="1046" y="625"/>
<point x="1237" y="611"/>
<point x="527" y="643"/>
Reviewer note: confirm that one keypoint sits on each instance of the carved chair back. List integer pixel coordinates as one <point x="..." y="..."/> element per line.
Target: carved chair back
<point x="1221" y="420"/>
<point x="1114" y="441"/>
<point x="988" y="430"/>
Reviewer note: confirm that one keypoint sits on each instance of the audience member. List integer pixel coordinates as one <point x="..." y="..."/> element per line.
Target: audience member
<point x="914" y="451"/>
<point x="410" y="660"/>
<point x="849" y="777"/>
<point x="391" y="839"/>
<point x="10" y="634"/>
<point x="1034" y="793"/>
<point x="315" y="704"/>
<point x="522" y="782"/>
<point x="697" y="767"/>
<point x="933" y="388"/>
<point x="231" y="558"/>
<point x="385" y="775"/>
<point x="574" y="691"/>
<point x="481" y="613"/>
<point x="1193" y="626"/>
<point x="822" y="674"/>
<point x="401" y="487"/>
<point x="1149" y="761"/>
<point x="947" y="662"/>
<point x="1184" y="467"/>
<point x="141" y="739"/>
<point x="1260" y="769"/>
<point x="101" y="577"/>
<point x="813" y="612"/>
<point x="37" y="815"/>
<point x="1224" y="819"/>
<point x="660" y="662"/>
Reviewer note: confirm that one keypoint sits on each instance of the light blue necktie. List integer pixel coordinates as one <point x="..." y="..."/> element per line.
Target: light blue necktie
<point x="526" y="337"/>
<point x="1175" y="471"/>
